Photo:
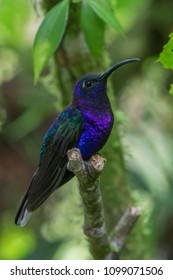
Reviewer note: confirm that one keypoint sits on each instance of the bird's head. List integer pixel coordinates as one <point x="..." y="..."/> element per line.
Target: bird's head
<point x="91" y="88"/>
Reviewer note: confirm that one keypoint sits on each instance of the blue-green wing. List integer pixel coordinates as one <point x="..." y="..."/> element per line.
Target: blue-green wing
<point x="63" y="135"/>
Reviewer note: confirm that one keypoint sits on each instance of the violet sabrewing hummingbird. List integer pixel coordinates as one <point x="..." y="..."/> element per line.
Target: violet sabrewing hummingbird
<point x="86" y="123"/>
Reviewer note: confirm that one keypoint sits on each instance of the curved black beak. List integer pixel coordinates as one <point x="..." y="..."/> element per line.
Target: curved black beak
<point x="108" y="72"/>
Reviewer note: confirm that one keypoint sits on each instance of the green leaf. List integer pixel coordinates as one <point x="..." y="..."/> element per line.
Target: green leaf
<point x="166" y="56"/>
<point x="49" y="36"/>
<point x="103" y="9"/>
<point x="93" y="28"/>
<point x="171" y="90"/>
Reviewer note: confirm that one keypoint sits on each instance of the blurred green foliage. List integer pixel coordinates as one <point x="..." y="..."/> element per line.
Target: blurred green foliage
<point x="14" y="16"/>
<point x="49" y="36"/>
<point x="166" y="56"/>
<point x="94" y="29"/>
<point x="51" y="31"/>
<point x="14" y="244"/>
<point x="26" y="111"/>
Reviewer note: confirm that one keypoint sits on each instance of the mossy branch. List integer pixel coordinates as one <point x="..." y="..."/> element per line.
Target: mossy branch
<point x="88" y="174"/>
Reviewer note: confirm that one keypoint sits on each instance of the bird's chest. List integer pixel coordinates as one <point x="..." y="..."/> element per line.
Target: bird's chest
<point x="97" y="129"/>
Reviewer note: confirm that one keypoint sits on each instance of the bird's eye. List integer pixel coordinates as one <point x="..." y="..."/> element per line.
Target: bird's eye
<point x="87" y="84"/>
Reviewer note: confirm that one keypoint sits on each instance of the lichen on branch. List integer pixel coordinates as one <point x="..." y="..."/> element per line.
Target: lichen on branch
<point x="88" y="174"/>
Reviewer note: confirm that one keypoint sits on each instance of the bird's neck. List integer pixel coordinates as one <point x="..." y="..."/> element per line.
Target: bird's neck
<point x="94" y="104"/>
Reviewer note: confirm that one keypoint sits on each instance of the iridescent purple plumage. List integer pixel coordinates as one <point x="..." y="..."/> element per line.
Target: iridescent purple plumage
<point x="98" y="116"/>
<point x="98" y="126"/>
<point x="86" y="124"/>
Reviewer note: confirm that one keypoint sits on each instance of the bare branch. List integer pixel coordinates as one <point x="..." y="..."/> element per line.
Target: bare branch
<point x="124" y="227"/>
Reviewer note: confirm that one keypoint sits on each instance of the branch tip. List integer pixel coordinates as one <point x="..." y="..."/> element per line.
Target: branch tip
<point x="75" y="163"/>
<point x="134" y="211"/>
<point x="74" y="154"/>
<point x="97" y="162"/>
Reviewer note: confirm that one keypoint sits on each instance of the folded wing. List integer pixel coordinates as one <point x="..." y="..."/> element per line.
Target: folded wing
<point x="52" y="172"/>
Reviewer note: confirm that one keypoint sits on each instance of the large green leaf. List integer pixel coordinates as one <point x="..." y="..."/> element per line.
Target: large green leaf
<point x="103" y="9"/>
<point x="49" y="36"/>
<point x="93" y="28"/>
<point x="166" y="56"/>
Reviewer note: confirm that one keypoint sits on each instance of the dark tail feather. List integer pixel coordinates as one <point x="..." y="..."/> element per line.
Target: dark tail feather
<point x="23" y="215"/>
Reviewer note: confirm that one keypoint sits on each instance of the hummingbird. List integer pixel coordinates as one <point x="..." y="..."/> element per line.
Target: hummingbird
<point x="86" y="124"/>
